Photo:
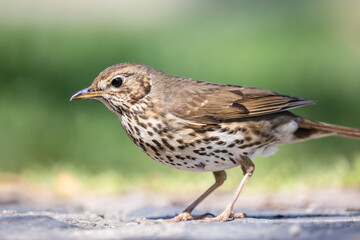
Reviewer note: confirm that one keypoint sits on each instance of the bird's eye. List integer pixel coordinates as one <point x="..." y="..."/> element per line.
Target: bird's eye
<point x="116" y="82"/>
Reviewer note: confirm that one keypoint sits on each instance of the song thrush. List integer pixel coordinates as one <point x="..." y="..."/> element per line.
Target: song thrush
<point x="203" y="127"/>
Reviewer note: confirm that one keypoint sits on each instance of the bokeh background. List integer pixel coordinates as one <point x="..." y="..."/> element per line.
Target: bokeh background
<point x="51" y="49"/>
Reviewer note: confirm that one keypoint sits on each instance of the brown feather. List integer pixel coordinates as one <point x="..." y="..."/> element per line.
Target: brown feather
<point x="212" y="103"/>
<point x="310" y="128"/>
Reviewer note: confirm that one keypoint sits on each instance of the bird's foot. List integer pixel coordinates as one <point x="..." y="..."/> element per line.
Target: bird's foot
<point x="185" y="216"/>
<point x="224" y="216"/>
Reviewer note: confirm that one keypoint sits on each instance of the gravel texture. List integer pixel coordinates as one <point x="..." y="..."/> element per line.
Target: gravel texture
<point x="322" y="214"/>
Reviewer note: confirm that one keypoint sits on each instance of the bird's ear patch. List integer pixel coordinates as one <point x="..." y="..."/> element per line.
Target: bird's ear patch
<point x="146" y="84"/>
<point x="140" y="88"/>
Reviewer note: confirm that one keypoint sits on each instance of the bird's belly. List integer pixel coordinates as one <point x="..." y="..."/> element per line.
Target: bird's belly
<point x="215" y="155"/>
<point x="198" y="159"/>
<point x="199" y="151"/>
<point x="210" y="157"/>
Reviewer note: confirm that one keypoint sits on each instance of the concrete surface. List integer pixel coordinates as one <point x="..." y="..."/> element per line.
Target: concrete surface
<point x="322" y="214"/>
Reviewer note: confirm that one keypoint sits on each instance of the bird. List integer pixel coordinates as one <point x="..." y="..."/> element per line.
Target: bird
<point x="200" y="126"/>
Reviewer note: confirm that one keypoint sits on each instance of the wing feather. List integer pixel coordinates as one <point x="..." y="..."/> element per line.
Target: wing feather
<point x="212" y="103"/>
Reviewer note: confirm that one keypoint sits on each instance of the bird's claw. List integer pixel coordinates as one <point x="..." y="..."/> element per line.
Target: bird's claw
<point x="224" y="216"/>
<point x="185" y="216"/>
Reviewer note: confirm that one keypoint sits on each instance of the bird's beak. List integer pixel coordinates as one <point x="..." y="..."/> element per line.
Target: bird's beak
<point x="85" y="94"/>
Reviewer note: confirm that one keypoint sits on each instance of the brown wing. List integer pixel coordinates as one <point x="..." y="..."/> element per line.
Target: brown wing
<point x="211" y="103"/>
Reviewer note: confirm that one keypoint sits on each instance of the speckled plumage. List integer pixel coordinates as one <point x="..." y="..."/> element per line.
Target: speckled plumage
<point x="199" y="126"/>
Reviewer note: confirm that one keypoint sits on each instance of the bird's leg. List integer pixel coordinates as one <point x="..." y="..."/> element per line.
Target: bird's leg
<point x="248" y="168"/>
<point x="220" y="178"/>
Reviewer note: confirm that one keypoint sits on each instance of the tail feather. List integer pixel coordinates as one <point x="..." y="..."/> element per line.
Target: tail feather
<point x="311" y="129"/>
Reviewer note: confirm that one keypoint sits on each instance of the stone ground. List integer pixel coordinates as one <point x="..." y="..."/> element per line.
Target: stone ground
<point x="321" y="214"/>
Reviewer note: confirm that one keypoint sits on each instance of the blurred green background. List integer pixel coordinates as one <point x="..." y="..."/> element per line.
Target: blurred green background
<point x="51" y="49"/>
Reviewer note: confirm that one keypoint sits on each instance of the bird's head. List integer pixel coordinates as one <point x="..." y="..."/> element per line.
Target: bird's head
<point x="124" y="83"/>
